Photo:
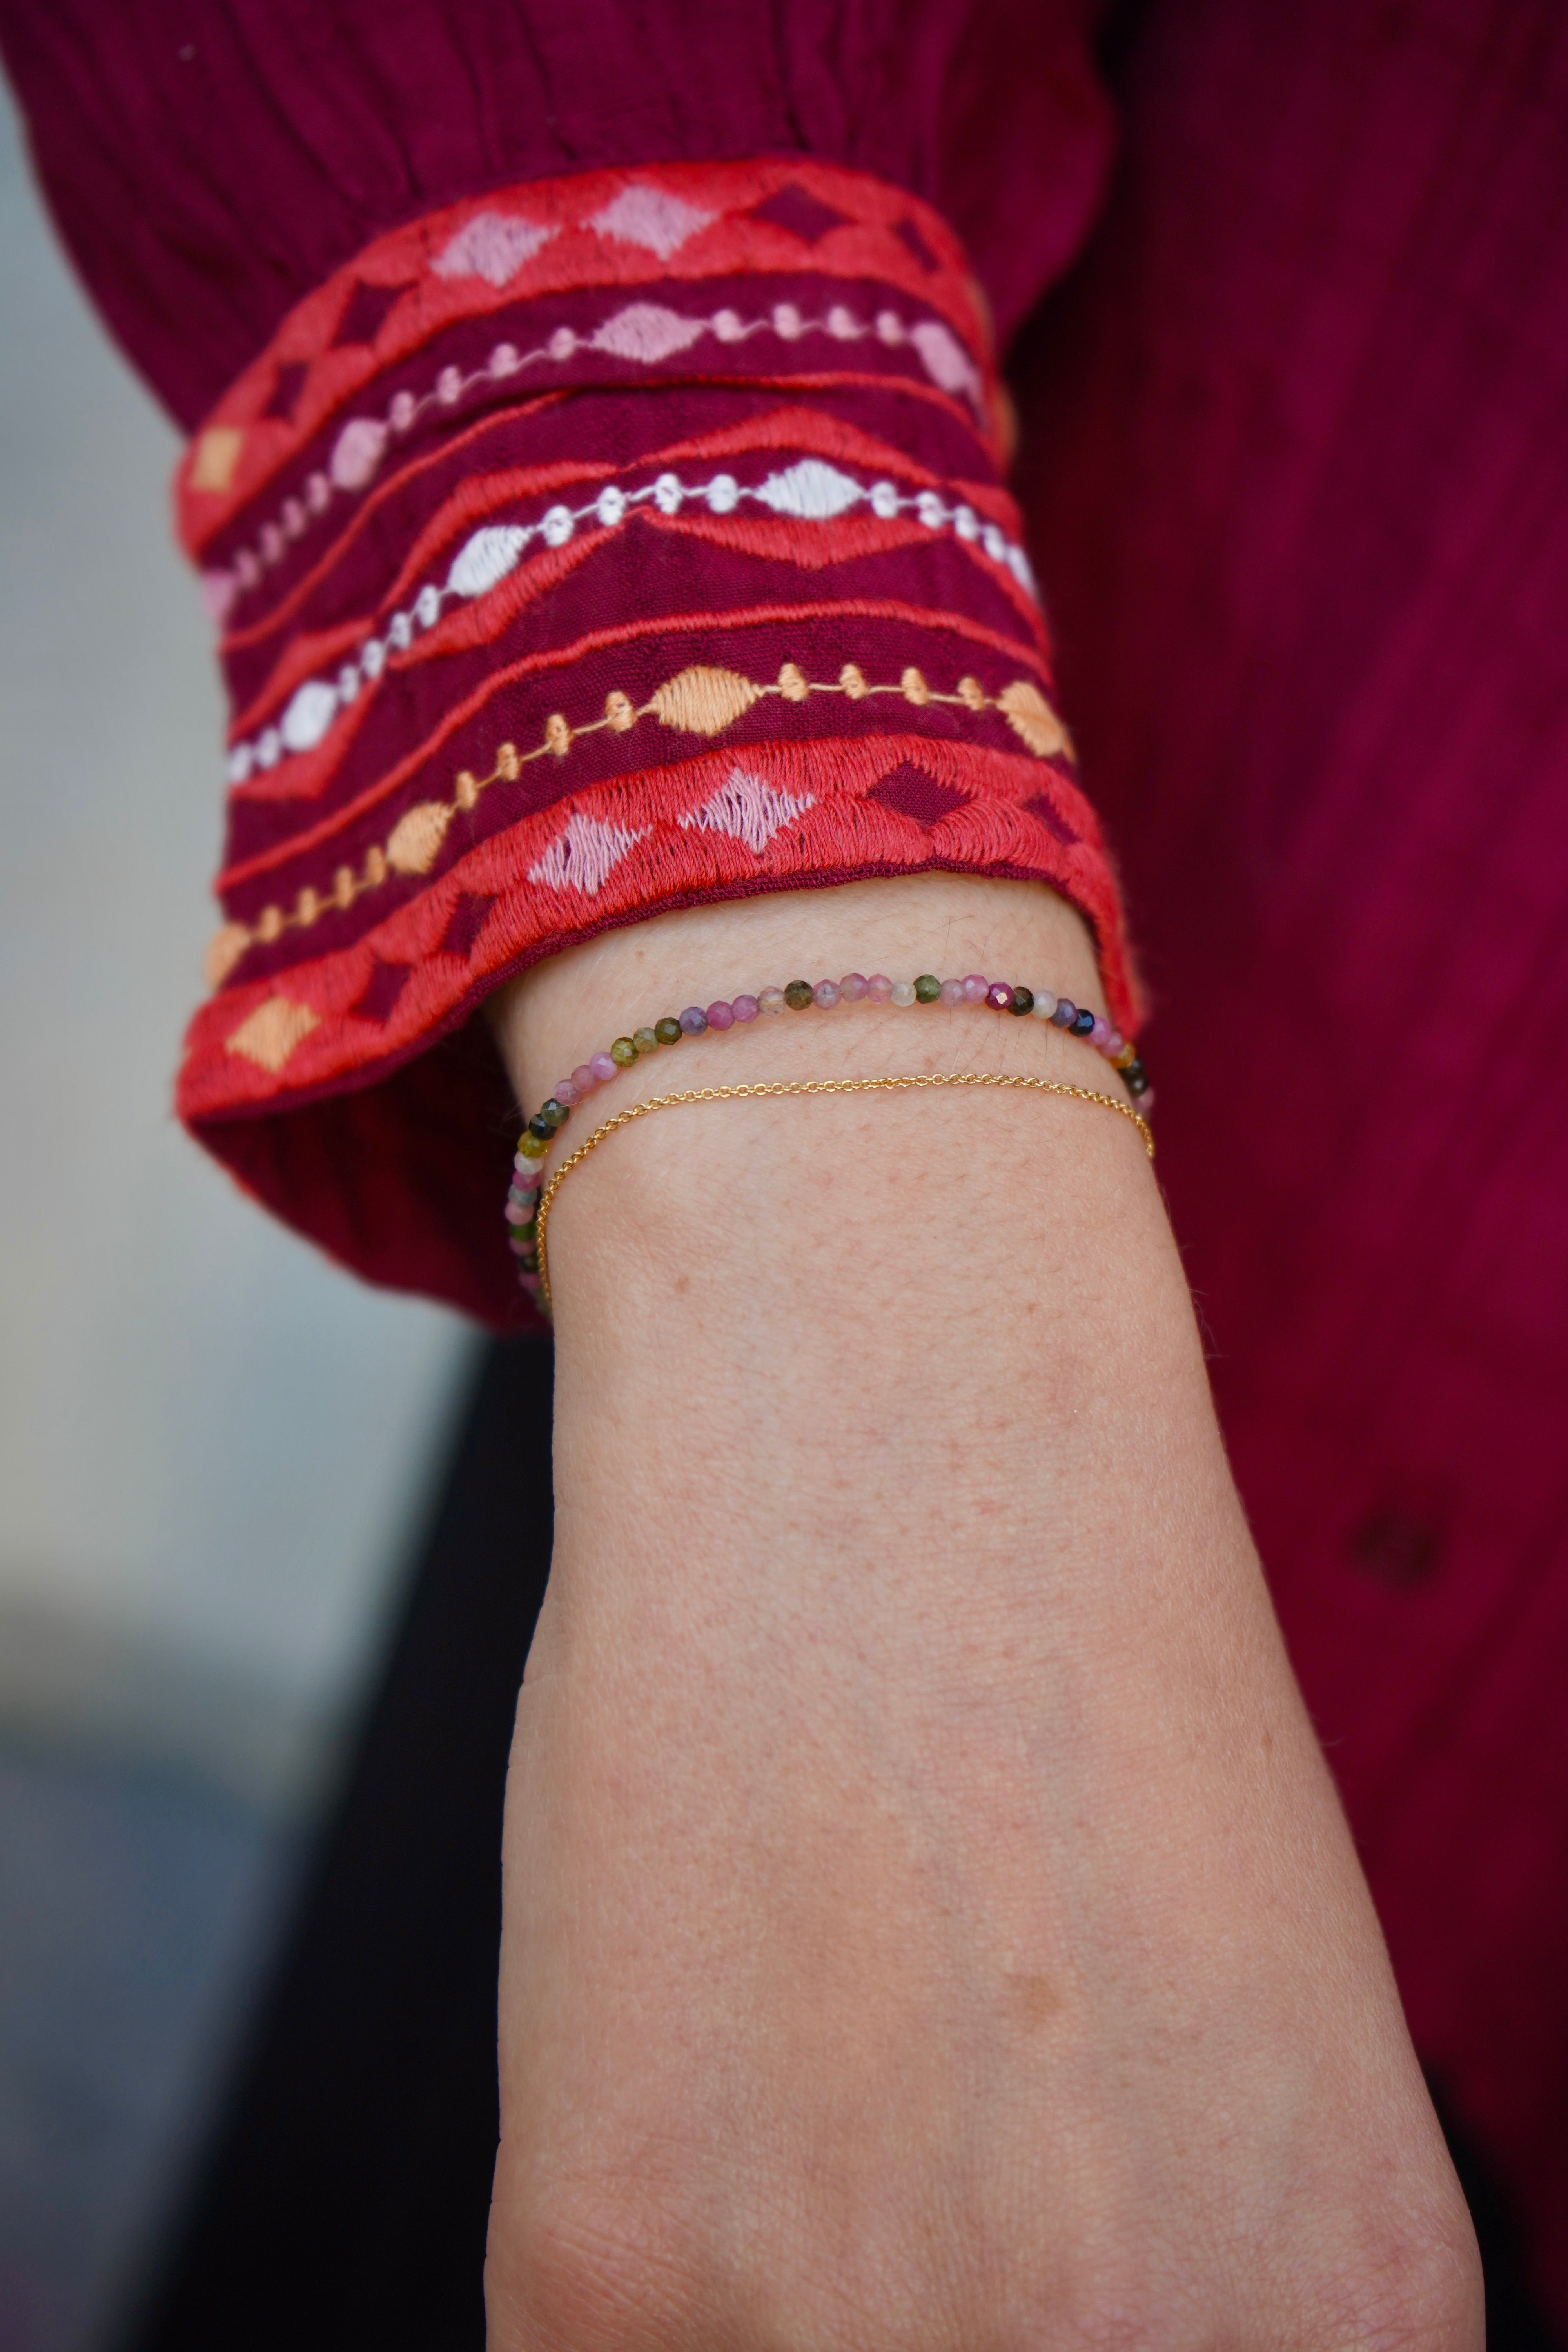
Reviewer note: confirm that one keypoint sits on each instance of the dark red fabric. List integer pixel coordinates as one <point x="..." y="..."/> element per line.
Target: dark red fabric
<point x="1295" y="460"/>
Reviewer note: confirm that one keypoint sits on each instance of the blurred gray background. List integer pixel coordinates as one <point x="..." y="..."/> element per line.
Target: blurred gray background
<point x="212" y="1443"/>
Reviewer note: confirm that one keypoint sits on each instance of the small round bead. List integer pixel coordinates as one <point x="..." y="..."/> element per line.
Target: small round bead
<point x="602" y="1066"/>
<point x="852" y="987"/>
<point x="533" y="1147"/>
<point x="646" y="1040"/>
<point x="953" y="992"/>
<point x="1137" y="1077"/>
<point x="567" y="1093"/>
<point x="693" y="1021"/>
<point x="770" y="1000"/>
<point x="928" y="988"/>
<point x="902" y="991"/>
<point x="999" y="996"/>
<point x="584" y="1081"/>
<point x="974" y="988"/>
<point x="1146" y="1102"/>
<point x="826" y="992"/>
<point x="745" y="1008"/>
<point x="1099" y="1036"/>
<point x="720" y="1015"/>
<point x="541" y="1127"/>
<point x="623" y="1053"/>
<point x="1022" y="1001"/>
<point x="1064" y="1014"/>
<point x="1125" y="1053"/>
<point x="554" y="1110"/>
<point x="516" y="1213"/>
<point x="879" y="989"/>
<point x="1083" y="1022"/>
<point x="1113" y="1044"/>
<point x="524" y="1175"/>
<point x="668" y="1030"/>
<point x="799" y="994"/>
<point x="1044" y="1005"/>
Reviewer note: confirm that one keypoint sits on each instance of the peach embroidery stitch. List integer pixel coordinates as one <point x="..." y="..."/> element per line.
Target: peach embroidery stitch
<point x="702" y="699"/>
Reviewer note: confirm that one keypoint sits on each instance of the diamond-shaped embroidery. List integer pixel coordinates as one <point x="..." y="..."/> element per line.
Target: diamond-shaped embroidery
<point x="909" y="236"/>
<point x="385" y="986"/>
<point x="1050" y="817"/>
<point x="912" y="791"/>
<point x="798" y="211"/>
<point x="492" y="245"/>
<point x="468" y="920"/>
<point x="586" y="855"/>
<point x="287" y="384"/>
<point x="652" y="218"/>
<point x="363" y="313"/>
<point x="272" y="1031"/>
<point x="747" y="809"/>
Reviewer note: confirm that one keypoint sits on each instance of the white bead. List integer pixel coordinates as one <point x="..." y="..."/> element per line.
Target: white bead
<point x="889" y="327"/>
<point x="903" y="992"/>
<point x="723" y="494"/>
<point x="727" y="327"/>
<point x="787" y="322"/>
<point x="930" y="509"/>
<point x="562" y="344"/>
<point x="318" y="492"/>
<point x="843" y="325"/>
<point x="448" y="386"/>
<point x="238" y="764"/>
<point x="668" y="494"/>
<point x="400" y="632"/>
<point x="885" y="500"/>
<point x="271" y="543"/>
<point x="246" y="570"/>
<point x="558" y="526"/>
<point x="610" y="506"/>
<point x="1043" y="1005"/>
<point x="402" y="413"/>
<point x="293" y="517"/>
<point x="269" y="750"/>
<point x="503" y="360"/>
<point x="348" y="684"/>
<point x="373" y="659"/>
<point x="995" y="546"/>
<point x="966" y="522"/>
<point x="427" y="607"/>
<point x="1023" y="571"/>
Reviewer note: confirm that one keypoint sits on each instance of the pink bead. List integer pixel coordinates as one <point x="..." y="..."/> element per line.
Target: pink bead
<point x="974" y="988"/>
<point x="1114" y="1043"/>
<point x="953" y="992"/>
<point x="567" y="1093"/>
<point x="852" y="987"/>
<point x="604" y="1069"/>
<point x="1099" y="1036"/>
<point x="1145" y="1104"/>
<point x="585" y="1079"/>
<point x="745" y="1008"/>
<point x="518" y="1212"/>
<point x="999" y="995"/>
<point x="720" y="1015"/>
<point x="827" y="994"/>
<point x="879" y="988"/>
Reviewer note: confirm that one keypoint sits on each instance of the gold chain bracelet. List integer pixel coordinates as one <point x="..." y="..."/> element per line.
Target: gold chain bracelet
<point x="817" y="1087"/>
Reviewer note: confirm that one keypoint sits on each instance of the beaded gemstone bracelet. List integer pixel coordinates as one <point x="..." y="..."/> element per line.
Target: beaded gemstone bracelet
<point x="799" y="996"/>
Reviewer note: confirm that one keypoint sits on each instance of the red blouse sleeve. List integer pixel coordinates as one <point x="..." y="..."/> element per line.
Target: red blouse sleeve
<point x="598" y="491"/>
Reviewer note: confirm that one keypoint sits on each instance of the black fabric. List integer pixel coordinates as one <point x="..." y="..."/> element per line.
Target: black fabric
<point x="344" y="2197"/>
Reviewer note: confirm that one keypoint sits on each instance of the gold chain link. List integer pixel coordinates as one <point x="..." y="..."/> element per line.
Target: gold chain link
<point x="818" y="1087"/>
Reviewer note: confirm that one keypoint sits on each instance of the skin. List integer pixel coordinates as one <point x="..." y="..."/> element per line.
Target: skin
<point x="928" y="1920"/>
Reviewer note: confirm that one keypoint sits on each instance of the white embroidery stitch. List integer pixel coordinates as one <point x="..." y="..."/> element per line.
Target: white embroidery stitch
<point x="644" y="334"/>
<point x="586" y="855"/>
<point x="748" y="810"/>
<point x="810" y="491"/>
<point x="492" y="245"/>
<point x="652" y="218"/>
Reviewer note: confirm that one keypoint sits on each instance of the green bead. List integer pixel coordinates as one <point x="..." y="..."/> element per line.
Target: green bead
<point x="799" y="994"/>
<point x="555" y="1112"/>
<point x="668" y="1030"/>
<point x="928" y="988"/>
<point x="623" y="1053"/>
<point x="526" y="1232"/>
<point x="646" y="1040"/>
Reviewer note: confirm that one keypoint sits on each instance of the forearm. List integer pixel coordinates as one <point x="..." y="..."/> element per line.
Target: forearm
<point x="907" y="1716"/>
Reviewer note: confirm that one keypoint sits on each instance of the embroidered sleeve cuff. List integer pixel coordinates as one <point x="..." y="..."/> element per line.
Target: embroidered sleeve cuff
<point x="603" y="545"/>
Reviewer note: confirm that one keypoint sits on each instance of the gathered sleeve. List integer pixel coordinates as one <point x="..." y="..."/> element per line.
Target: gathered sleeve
<point x="596" y="479"/>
